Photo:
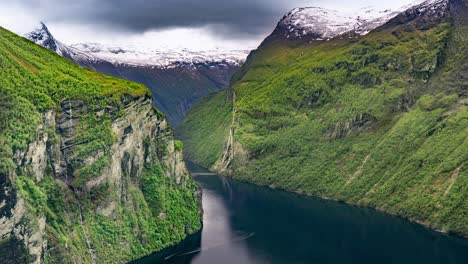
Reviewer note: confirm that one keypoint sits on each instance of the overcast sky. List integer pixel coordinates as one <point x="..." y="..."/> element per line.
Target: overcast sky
<point x="194" y="24"/>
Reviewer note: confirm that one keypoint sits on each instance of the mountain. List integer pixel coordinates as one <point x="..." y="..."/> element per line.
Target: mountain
<point x="89" y="169"/>
<point x="377" y="119"/>
<point x="44" y="38"/>
<point x="177" y="78"/>
<point x="316" y="23"/>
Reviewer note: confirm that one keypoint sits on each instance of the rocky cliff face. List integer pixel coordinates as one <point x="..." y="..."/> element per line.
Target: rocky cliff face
<point x="140" y="138"/>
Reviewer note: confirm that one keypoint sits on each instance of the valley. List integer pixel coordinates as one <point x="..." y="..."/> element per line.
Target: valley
<point x="342" y="138"/>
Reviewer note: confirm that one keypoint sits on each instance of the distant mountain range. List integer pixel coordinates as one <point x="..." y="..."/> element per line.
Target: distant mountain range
<point x="177" y="78"/>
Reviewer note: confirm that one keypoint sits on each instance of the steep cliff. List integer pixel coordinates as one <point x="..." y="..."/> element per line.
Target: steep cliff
<point x="89" y="170"/>
<point x="378" y="120"/>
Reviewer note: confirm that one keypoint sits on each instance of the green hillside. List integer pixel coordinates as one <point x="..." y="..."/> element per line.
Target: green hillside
<point x="206" y="128"/>
<point x="36" y="80"/>
<point x="379" y="120"/>
<point x="71" y="211"/>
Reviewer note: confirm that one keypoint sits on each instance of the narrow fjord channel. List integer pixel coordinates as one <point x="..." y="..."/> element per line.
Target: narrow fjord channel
<point x="244" y="224"/>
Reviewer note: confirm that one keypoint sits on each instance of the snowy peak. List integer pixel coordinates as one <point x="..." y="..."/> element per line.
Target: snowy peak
<point x="42" y="36"/>
<point x="317" y="23"/>
<point x="320" y="22"/>
<point x="433" y="8"/>
<point x="323" y="23"/>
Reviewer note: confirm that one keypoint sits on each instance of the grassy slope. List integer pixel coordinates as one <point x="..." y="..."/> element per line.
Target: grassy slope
<point x="205" y="129"/>
<point x="34" y="80"/>
<point x="410" y="159"/>
<point x="38" y="80"/>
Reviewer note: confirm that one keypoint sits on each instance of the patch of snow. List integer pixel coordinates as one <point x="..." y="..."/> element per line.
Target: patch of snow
<point x="435" y="8"/>
<point x="325" y="24"/>
<point x="137" y="56"/>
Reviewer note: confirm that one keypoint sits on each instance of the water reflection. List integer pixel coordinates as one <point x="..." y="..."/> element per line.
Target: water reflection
<point x="244" y="223"/>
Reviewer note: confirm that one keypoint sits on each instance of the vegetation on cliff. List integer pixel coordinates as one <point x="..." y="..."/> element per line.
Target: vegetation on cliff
<point x="206" y="129"/>
<point x="69" y="193"/>
<point x="379" y="120"/>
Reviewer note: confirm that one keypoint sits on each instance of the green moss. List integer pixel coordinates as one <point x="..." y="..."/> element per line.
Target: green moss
<point x="178" y="145"/>
<point x="151" y="186"/>
<point x="89" y="172"/>
<point x="35" y="197"/>
<point x="431" y="102"/>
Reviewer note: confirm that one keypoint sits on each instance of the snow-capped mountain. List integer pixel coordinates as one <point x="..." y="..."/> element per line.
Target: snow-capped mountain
<point x="326" y="24"/>
<point x="42" y="36"/>
<point x="434" y="9"/>
<point x="316" y="23"/>
<point x="177" y="78"/>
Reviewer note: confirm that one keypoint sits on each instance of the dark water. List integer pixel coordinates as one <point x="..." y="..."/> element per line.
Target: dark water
<point x="246" y="224"/>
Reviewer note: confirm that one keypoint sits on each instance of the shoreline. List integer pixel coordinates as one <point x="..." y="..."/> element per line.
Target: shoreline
<point x="426" y="225"/>
<point x="378" y="209"/>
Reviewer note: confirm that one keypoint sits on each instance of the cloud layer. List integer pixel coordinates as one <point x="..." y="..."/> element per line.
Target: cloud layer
<point x="236" y="17"/>
<point x="183" y="23"/>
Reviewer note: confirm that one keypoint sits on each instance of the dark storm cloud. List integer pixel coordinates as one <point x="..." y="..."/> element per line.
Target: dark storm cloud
<point x="236" y="17"/>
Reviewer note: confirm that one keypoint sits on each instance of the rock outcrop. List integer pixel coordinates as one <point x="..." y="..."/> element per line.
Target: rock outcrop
<point x="140" y="137"/>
